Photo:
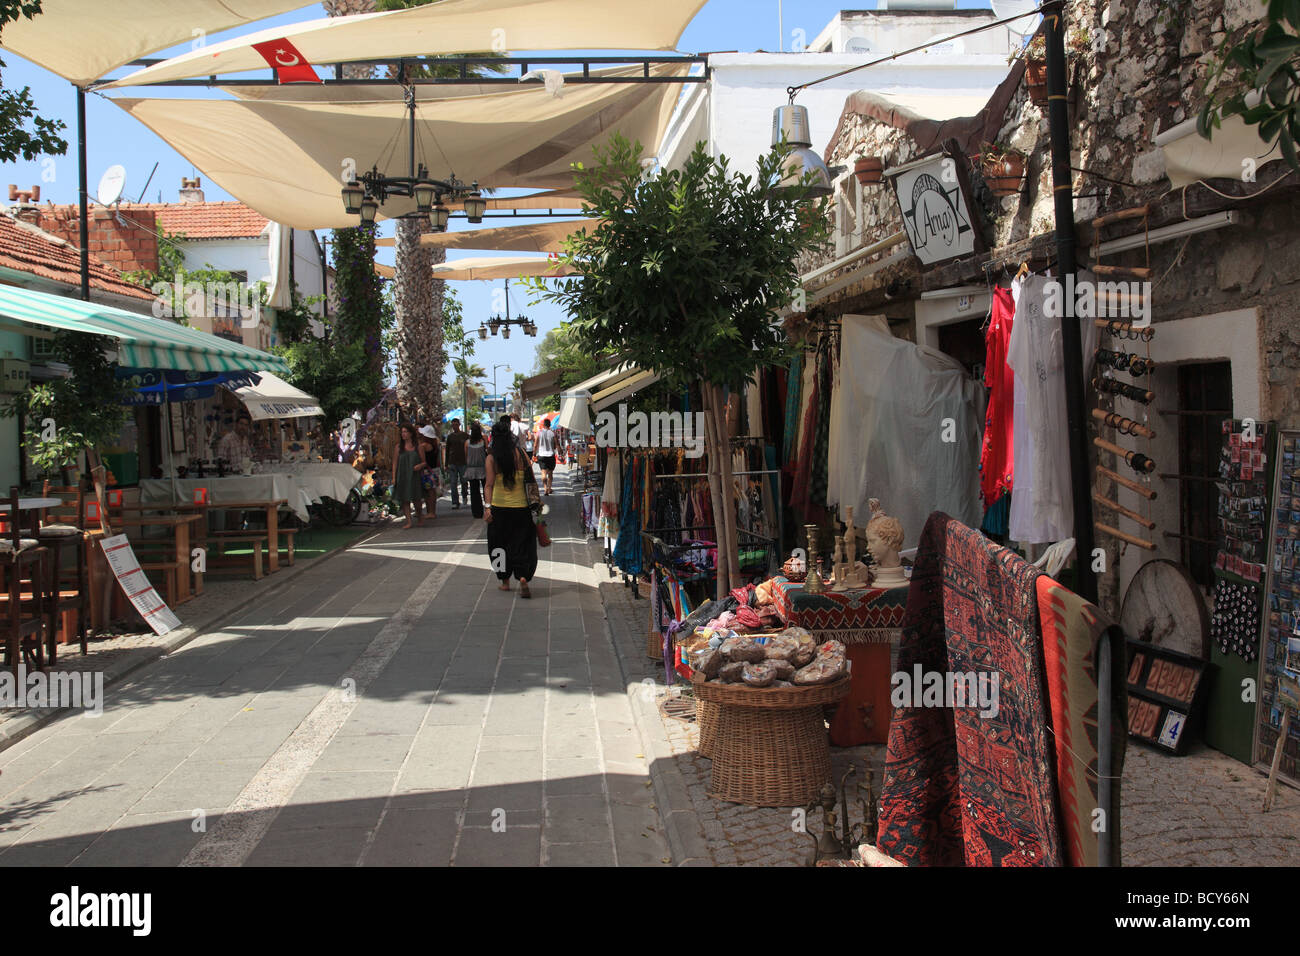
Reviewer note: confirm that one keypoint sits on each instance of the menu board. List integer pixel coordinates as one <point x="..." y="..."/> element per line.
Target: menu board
<point x="141" y="594"/>
<point x="1280" y="650"/>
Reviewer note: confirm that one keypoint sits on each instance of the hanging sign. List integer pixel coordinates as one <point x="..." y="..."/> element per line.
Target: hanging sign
<point x="138" y="590"/>
<point x="934" y="197"/>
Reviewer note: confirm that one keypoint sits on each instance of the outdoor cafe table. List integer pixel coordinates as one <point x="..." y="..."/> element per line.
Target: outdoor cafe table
<point x="321" y="479"/>
<point x="34" y="504"/>
<point x="231" y="488"/>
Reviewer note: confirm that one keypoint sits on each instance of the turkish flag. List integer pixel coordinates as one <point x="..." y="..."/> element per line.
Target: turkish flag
<point x="290" y="66"/>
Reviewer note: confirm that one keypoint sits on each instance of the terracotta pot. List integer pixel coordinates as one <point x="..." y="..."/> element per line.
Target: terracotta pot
<point x="1004" y="174"/>
<point x="1036" y="80"/>
<point x="869" y="170"/>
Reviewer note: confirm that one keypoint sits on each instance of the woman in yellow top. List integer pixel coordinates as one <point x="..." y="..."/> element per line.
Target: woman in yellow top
<point x="511" y="534"/>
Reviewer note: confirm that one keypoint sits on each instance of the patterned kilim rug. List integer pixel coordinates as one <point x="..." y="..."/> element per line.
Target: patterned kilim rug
<point x="969" y="784"/>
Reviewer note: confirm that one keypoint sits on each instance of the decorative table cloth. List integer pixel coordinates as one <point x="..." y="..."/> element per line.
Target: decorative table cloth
<point x="859" y="616"/>
<point x="866" y="621"/>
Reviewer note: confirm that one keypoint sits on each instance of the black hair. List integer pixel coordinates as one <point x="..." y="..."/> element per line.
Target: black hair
<point x="503" y="451"/>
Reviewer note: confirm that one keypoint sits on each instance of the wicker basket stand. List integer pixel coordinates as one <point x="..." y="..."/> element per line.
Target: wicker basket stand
<point x="769" y="746"/>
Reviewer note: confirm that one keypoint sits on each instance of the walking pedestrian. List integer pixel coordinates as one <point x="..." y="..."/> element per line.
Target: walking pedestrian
<point x="546" y="453"/>
<point x="511" y="534"/>
<point x="475" y="455"/>
<point x="454" y="450"/>
<point x="431" y="475"/>
<point x="521" y="433"/>
<point x="408" y="462"/>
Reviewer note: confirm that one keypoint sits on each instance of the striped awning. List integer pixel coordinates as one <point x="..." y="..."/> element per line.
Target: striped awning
<point x="142" y="341"/>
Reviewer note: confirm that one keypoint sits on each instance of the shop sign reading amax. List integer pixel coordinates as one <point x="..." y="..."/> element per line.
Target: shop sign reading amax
<point x="936" y="214"/>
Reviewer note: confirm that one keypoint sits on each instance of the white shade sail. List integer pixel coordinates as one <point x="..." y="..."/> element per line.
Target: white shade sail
<point x="1234" y="149"/>
<point x="81" y="40"/>
<point x="534" y="237"/>
<point x="287" y="160"/>
<point x="448" y="27"/>
<point x="500" y="267"/>
<point x="273" y="397"/>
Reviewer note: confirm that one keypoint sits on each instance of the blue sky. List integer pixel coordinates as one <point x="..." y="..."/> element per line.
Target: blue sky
<point x="114" y="137"/>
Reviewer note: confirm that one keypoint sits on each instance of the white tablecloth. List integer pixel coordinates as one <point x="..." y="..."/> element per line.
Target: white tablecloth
<point x="322" y="479"/>
<point x="231" y="488"/>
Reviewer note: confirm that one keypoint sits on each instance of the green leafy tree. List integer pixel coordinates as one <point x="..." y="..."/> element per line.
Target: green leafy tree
<point x="560" y="348"/>
<point x="22" y="132"/>
<point x="1265" y="61"/>
<point x="66" y="416"/>
<point x="685" y="274"/>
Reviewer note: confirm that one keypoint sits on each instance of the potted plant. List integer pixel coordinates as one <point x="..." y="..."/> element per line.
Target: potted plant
<point x="1003" y="169"/>
<point x="1036" y="69"/>
<point x="869" y="169"/>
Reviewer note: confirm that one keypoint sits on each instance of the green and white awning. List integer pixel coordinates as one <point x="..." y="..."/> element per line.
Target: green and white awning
<point x="142" y="341"/>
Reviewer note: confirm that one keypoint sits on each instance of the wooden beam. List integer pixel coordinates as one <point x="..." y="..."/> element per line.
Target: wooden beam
<point x="1119" y="479"/>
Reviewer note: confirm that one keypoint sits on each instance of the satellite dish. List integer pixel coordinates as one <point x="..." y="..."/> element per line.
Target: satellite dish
<point x="1022" y="27"/>
<point x="857" y="45"/>
<point x="111" y="185"/>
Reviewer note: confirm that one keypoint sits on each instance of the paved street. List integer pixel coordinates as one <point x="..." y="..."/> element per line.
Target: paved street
<point x="388" y="707"/>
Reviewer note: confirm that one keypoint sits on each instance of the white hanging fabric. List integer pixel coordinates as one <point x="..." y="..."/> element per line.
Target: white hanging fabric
<point x="1042" y="503"/>
<point x="907" y="428"/>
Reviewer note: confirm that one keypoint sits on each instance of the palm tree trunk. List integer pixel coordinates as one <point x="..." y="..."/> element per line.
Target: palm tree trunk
<point x="418" y="333"/>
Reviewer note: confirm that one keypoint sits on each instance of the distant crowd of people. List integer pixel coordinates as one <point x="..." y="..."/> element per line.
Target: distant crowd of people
<point x="489" y="473"/>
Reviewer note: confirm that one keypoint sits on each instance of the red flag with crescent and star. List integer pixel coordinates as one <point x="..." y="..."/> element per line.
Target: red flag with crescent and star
<point x="290" y="66"/>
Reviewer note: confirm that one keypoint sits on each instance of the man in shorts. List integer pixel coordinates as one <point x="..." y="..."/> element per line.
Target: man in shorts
<point x="546" y="443"/>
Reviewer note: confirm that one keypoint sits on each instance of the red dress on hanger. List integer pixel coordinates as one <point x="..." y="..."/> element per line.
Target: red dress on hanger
<point x="997" y="465"/>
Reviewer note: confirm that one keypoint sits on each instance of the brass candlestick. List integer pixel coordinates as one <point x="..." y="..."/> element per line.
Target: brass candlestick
<point x="813" y="583"/>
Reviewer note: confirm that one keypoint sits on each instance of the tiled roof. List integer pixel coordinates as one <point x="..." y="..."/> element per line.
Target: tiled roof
<point x="209" y="220"/>
<point x="25" y="248"/>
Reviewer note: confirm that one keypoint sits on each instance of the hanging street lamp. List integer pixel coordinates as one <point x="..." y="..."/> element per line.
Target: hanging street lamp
<point x="363" y="195"/>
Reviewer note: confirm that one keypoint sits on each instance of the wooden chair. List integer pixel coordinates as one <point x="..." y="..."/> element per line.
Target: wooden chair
<point x="25" y="616"/>
<point x="62" y="530"/>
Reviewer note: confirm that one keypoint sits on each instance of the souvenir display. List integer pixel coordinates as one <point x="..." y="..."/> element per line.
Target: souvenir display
<point x="1234" y="626"/>
<point x="1280" y="648"/>
<point x="1165" y="695"/>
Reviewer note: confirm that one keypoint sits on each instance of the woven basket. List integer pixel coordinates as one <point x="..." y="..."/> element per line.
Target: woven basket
<point x="769" y="746"/>
<point x="654" y="645"/>
<point x="772" y="698"/>
<point x="706" y="715"/>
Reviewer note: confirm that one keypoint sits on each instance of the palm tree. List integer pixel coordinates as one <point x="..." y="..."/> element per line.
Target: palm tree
<point x="467" y="379"/>
<point x="417" y="297"/>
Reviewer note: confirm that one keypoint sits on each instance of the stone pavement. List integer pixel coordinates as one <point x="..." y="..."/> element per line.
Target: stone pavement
<point x="1202" y="809"/>
<point x="390" y="707"/>
<point x="117" y="655"/>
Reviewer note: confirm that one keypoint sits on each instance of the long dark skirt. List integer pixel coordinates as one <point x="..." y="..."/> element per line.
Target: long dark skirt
<point x="512" y="533"/>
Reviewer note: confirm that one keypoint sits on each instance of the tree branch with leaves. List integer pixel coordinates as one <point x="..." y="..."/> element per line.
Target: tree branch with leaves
<point x="686" y="273"/>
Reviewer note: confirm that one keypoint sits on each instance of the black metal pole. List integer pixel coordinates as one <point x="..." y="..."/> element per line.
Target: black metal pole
<point x="1076" y="415"/>
<point x="83" y="228"/>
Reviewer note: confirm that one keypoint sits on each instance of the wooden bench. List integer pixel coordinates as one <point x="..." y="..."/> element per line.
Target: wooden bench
<point x="220" y="561"/>
<point x="223" y="537"/>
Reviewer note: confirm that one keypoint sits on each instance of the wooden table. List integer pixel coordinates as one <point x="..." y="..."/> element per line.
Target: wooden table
<point x="33" y="504"/>
<point x="271" y="509"/>
<point x="180" y="527"/>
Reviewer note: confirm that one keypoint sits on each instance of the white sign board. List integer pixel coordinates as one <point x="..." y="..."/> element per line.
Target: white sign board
<point x="141" y="594"/>
<point x="936" y="211"/>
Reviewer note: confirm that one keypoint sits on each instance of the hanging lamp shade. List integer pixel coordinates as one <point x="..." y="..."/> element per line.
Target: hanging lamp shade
<point x="440" y="216"/>
<point x="424" y="192"/>
<point x="369" y="209"/>
<point x="791" y="123"/>
<point x="475" y="205"/>
<point x="353" y="194"/>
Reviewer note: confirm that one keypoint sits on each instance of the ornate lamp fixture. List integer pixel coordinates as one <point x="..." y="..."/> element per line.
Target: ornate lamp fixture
<point x="499" y="324"/>
<point x="362" y="196"/>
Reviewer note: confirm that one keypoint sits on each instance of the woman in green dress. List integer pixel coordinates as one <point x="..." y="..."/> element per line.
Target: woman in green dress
<point x="408" y="462"/>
